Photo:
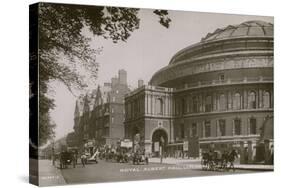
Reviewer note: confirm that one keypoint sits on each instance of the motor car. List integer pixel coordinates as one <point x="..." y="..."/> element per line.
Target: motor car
<point x="66" y="159"/>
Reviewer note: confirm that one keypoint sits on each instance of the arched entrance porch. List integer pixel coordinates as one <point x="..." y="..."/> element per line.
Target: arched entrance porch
<point x="159" y="142"/>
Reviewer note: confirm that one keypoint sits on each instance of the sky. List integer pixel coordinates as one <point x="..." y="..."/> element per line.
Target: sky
<point x="146" y="51"/>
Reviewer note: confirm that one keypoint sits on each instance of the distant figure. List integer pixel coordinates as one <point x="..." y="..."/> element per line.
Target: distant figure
<point x="74" y="158"/>
<point x="54" y="159"/>
<point x="83" y="159"/>
<point x="231" y="158"/>
<point x="211" y="154"/>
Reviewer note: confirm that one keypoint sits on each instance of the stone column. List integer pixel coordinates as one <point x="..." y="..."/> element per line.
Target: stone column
<point x="254" y="146"/>
<point x="166" y="105"/>
<point x="152" y="104"/>
<point x="203" y="102"/>
<point x="245" y="99"/>
<point x="169" y="105"/>
<point x="173" y="106"/>
<point x="145" y="103"/>
<point x="266" y="152"/>
<point x="242" y="153"/>
<point x="229" y="100"/>
<point x="214" y="102"/>
<point x="149" y="104"/>
<point x="260" y="101"/>
<point x="250" y="152"/>
<point x="171" y="139"/>
<point x="217" y="128"/>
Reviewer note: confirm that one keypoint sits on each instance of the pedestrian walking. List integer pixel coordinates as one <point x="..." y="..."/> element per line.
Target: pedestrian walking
<point x="83" y="159"/>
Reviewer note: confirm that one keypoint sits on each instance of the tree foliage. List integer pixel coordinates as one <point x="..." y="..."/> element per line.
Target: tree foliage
<point x="163" y="17"/>
<point x="64" y="50"/>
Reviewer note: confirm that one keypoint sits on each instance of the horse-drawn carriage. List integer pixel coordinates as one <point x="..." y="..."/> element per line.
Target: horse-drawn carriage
<point x="92" y="158"/>
<point x="119" y="154"/>
<point x="217" y="160"/>
<point x="139" y="158"/>
<point x="123" y="156"/>
<point x="116" y="156"/>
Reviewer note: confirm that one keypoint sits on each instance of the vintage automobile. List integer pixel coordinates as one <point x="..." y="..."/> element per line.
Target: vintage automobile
<point x="66" y="158"/>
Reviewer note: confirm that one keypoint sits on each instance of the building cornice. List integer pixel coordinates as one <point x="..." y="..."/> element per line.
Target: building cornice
<point x="213" y="63"/>
<point x="192" y="115"/>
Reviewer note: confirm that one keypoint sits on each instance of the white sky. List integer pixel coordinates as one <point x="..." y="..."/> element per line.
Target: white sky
<point x="146" y="51"/>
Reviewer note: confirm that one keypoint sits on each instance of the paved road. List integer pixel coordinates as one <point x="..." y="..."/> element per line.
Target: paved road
<point x="49" y="175"/>
<point x="109" y="171"/>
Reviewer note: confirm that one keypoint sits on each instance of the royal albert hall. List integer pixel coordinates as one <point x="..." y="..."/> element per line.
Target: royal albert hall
<point x="218" y="91"/>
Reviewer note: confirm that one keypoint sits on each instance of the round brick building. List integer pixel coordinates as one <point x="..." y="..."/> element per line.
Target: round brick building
<point x="217" y="93"/>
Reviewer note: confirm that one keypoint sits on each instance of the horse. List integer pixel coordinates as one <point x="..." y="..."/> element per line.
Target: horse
<point x="231" y="158"/>
<point x="205" y="161"/>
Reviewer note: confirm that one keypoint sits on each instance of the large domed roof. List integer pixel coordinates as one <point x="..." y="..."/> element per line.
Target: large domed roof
<point x="245" y="29"/>
<point x="219" y="50"/>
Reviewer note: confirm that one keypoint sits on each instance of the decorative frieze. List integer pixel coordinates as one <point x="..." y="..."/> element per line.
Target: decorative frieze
<point x="179" y="70"/>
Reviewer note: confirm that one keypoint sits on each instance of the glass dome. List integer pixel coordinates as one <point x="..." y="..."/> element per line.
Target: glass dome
<point x="245" y="29"/>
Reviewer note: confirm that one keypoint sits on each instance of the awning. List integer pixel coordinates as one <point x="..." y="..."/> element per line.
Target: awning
<point x="175" y="144"/>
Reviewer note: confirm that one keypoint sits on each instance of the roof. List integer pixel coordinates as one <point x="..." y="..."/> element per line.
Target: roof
<point x="249" y="28"/>
<point x="102" y="95"/>
<point x="245" y="39"/>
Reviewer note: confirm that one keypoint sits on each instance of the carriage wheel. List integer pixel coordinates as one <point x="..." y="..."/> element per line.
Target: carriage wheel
<point x="211" y="166"/>
<point x="203" y="164"/>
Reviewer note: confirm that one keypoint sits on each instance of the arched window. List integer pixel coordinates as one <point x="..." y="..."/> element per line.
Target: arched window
<point x="237" y="126"/>
<point x="252" y="99"/>
<point x="194" y="104"/>
<point x="266" y="99"/>
<point x="222" y="128"/>
<point x="207" y="129"/>
<point x="237" y="101"/>
<point x="222" y="102"/>
<point x="194" y="130"/>
<point x="253" y="126"/>
<point x="159" y="106"/>
<point x="208" y="104"/>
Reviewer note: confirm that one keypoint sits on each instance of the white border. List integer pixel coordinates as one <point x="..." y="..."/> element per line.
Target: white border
<point x="14" y="89"/>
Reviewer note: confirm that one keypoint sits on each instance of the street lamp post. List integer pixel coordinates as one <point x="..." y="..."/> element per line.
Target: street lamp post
<point x="161" y="148"/>
<point x="161" y="157"/>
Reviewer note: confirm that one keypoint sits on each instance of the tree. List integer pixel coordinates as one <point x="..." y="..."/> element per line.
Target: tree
<point x="61" y="40"/>
<point x="163" y="16"/>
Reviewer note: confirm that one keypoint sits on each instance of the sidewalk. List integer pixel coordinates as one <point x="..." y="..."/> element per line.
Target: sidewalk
<point x="175" y="160"/>
<point x="49" y="175"/>
<point x="257" y="167"/>
<point x="196" y="163"/>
